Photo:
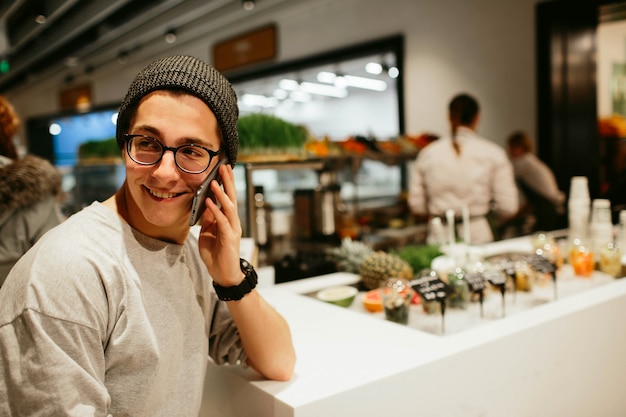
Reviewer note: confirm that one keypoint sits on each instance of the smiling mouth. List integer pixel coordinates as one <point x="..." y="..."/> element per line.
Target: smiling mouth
<point x="159" y="194"/>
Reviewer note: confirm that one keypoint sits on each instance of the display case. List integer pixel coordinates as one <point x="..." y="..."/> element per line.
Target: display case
<point x="316" y="202"/>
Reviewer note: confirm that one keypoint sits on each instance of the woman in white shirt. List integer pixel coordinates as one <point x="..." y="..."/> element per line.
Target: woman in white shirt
<point x="464" y="170"/>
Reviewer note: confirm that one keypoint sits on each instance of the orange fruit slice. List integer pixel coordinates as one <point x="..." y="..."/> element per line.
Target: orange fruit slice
<point x="372" y="301"/>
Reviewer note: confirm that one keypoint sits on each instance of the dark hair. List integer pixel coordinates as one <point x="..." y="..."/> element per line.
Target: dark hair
<point x="521" y="140"/>
<point x="9" y="124"/>
<point x="463" y="108"/>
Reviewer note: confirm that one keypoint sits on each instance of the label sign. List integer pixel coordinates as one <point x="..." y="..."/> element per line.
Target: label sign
<point x="495" y="277"/>
<point x="475" y="281"/>
<point x="430" y="287"/>
<point x="508" y="267"/>
<point x="541" y="264"/>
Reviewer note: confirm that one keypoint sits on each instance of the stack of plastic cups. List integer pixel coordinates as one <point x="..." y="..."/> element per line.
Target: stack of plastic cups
<point x="578" y="207"/>
<point x="601" y="226"/>
<point x="580" y="253"/>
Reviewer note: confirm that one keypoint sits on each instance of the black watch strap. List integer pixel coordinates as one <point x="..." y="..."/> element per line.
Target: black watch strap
<point x="237" y="292"/>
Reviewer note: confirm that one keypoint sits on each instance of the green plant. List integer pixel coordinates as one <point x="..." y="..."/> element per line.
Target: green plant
<point x="259" y="130"/>
<point x="99" y="149"/>
<point x="418" y="256"/>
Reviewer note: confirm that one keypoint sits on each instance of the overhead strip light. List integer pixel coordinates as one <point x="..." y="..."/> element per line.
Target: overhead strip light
<point x="289" y="85"/>
<point x="352" y="81"/>
<point x="366" y="83"/>
<point x="323" y="90"/>
<point x="374" y="68"/>
<point x="313" y="88"/>
<point x="257" y="100"/>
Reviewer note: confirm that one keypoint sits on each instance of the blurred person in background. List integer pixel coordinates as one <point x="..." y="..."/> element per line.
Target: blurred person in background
<point x="464" y="170"/>
<point x="118" y="310"/>
<point x="29" y="188"/>
<point x="541" y="202"/>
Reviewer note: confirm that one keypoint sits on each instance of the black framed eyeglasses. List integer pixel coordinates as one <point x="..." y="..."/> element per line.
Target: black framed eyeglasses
<point x="190" y="158"/>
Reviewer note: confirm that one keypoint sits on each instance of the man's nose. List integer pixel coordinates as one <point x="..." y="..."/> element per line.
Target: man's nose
<point x="167" y="165"/>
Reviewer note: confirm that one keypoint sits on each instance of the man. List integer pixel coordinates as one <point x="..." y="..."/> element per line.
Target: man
<point x="463" y="170"/>
<point x="113" y="311"/>
<point x="542" y="198"/>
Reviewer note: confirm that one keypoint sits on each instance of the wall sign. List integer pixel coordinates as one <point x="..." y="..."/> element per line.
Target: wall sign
<point x="249" y="48"/>
<point x="75" y="98"/>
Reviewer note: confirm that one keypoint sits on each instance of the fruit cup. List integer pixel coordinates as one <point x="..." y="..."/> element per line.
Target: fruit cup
<point x="610" y="260"/>
<point x="396" y="296"/>
<point x="582" y="260"/>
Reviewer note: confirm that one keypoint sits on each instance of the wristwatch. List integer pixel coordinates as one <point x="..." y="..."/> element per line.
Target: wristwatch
<point x="236" y="292"/>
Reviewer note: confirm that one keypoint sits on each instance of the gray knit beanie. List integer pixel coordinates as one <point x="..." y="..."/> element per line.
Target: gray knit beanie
<point x="194" y="76"/>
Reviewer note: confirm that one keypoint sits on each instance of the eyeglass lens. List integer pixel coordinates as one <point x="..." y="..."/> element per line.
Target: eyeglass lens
<point x="147" y="151"/>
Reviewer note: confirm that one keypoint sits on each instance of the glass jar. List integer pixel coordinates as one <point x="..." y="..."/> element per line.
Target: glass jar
<point x="459" y="289"/>
<point x="524" y="276"/>
<point x="581" y="258"/>
<point x="610" y="260"/>
<point x="546" y="246"/>
<point x="396" y="294"/>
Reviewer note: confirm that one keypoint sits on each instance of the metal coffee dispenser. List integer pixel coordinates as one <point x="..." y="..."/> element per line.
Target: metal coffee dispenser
<point x="317" y="211"/>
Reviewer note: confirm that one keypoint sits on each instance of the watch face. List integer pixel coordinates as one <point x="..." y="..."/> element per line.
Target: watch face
<point x="246" y="267"/>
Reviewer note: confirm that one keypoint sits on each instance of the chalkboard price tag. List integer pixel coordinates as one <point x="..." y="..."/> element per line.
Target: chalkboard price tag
<point x="508" y="267"/>
<point x="541" y="264"/>
<point x="430" y="287"/>
<point x="475" y="281"/>
<point x="495" y="277"/>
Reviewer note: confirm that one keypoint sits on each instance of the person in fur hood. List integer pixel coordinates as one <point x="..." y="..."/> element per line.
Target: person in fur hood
<point x="28" y="195"/>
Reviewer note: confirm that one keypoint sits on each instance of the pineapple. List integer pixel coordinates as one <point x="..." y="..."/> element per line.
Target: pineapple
<point x="350" y="255"/>
<point x="379" y="266"/>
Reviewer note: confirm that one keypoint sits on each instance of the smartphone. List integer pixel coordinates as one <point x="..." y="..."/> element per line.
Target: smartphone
<point x="204" y="191"/>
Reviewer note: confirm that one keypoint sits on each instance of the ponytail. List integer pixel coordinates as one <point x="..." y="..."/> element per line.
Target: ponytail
<point x="462" y="109"/>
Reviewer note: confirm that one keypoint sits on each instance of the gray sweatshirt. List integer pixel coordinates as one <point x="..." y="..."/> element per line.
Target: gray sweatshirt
<point x="98" y="319"/>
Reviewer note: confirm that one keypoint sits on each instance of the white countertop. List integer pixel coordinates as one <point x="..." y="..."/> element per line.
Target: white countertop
<point x="351" y="361"/>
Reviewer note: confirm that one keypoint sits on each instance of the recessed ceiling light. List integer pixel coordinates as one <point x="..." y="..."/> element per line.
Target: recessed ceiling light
<point x="374" y="68"/>
<point x="170" y="37"/>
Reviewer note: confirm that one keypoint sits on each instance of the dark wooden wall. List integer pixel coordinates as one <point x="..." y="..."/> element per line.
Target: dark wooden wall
<point x="567" y="134"/>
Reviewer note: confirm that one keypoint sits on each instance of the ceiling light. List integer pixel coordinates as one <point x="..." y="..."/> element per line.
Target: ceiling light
<point x="332" y="78"/>
<point x="326" y="77"/>
<point x="71" y="61"/>
<point x="313" y="88"/>
<point x="40" y="19"/>
<point x="351" y="81"/>
<point x="248" y="4"/>
<point x="170" y="36"/>
<point x="257" y="100"/>
<point x="366" y="83"/>
<point x="280" y="94"/>
<point x="393" y="72"/>
<point x="374" y="68"/>
<point x="289" y="85"/>
<point x="323" y="90"/>
<point x="341" y="82"/>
